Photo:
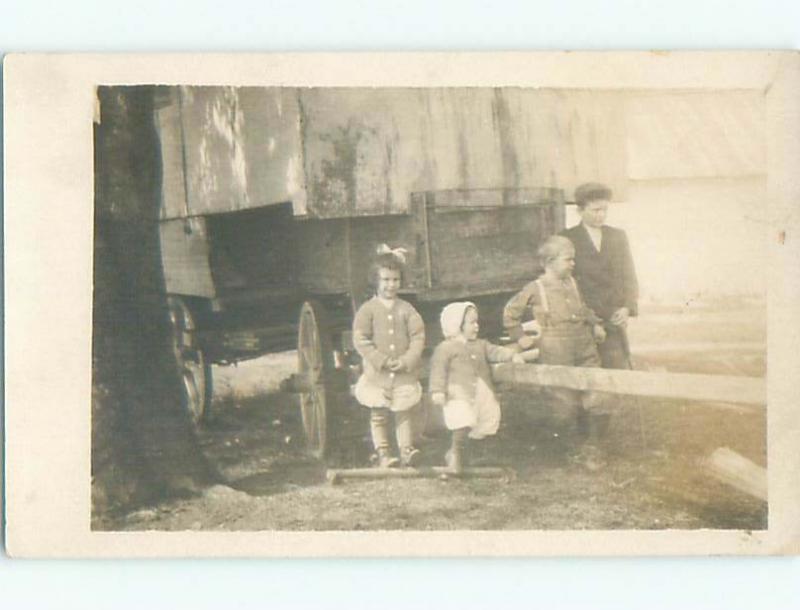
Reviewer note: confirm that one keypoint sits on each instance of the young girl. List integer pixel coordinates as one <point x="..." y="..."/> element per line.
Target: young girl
<point x="461" y="380"/>
<point x="389" y="335"/>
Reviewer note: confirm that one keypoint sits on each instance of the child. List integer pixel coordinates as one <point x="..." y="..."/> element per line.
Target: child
<point x="389" y="335"/>
<point x="570" y="331"/>
<point x="461" y="381"/>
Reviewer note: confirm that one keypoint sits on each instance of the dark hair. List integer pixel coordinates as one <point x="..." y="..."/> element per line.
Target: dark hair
<point x="384" y="261"/>
<point x="591" y="191"/>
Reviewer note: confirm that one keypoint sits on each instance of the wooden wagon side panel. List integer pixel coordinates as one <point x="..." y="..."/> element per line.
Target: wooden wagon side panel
<point x="334" y="255"/>
<point x="478" y="251"/>
<point x="185" y="257"/>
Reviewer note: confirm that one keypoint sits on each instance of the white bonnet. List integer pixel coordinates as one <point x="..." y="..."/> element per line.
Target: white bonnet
<point x="453" y="317"/>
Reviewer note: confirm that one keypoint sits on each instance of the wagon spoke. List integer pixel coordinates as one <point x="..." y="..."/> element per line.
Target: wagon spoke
<point x="314" y="358"/>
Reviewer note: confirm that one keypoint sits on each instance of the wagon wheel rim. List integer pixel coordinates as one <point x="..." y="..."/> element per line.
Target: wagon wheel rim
<point x="314" y="402"/>
<point x="189" y="358"/>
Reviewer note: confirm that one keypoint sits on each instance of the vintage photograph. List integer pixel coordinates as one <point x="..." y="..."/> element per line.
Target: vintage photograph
<point x="429" y="308"/>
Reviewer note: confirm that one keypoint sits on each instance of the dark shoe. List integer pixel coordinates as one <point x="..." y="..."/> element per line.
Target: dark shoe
<point x="384" y="459"/>
<point x="410" y="456"/>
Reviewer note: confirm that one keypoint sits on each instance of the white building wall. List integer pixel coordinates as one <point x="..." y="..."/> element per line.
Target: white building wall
<point x="694" y="239"/>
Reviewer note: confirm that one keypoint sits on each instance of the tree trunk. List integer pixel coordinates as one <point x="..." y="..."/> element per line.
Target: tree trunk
<point x="143" y="440"/>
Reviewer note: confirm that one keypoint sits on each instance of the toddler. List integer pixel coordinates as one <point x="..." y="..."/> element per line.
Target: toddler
<point x="461" y="382"/>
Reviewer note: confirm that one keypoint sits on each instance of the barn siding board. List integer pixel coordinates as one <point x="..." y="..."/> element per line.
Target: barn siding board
<point x="214" y="127"/>
<point x="173" y="198"/>
<point x="360" y="150"/>
<point x="272" y="147"/>
<point x="185" y="257"/>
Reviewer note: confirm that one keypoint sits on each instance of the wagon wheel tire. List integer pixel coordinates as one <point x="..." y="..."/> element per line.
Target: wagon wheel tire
<point x="194" y="369"/>
<point x="317" y="365"/>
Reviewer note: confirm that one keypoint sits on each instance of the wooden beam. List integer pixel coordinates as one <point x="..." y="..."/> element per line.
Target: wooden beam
<point x="715" y="388"/>
<point x="335" y="476"/>
<point x="739" y="472"/>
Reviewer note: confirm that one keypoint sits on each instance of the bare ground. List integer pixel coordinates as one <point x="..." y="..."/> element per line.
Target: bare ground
<point x="654" y="479"/>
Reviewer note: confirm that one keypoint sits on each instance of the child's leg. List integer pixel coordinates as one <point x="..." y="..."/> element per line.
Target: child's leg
<point x="404" y="430"/>
<point x="455" y="457"/>
<point x="379" y="428"/>
<point x="595" y="406"/>
<point x="563" y="404"/>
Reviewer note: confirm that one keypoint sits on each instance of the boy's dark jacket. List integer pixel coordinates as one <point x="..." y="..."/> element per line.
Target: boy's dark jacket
<point x="606" y="279"/>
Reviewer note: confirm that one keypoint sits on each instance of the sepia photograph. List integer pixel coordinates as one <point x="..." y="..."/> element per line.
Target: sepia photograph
<point x="419" y="305"/>
<point x="431" y="308"/>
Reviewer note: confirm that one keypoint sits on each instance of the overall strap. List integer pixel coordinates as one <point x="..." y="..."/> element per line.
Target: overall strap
<point x="543" y="296"/>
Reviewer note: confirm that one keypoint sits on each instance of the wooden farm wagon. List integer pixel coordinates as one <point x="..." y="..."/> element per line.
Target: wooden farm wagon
<point x="275" y="199"/>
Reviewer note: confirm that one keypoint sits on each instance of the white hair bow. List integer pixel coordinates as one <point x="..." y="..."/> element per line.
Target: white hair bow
<point x="398" y="253"/>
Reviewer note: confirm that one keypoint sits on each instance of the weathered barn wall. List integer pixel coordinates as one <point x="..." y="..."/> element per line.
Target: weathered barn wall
<point x="695" y="209"/>
<point x="695" y="239"/>
<point x="367" y="150"/>
<point x="226" y="149"/>
<point x="362" y="152"/>
<point x="695" y="135"/>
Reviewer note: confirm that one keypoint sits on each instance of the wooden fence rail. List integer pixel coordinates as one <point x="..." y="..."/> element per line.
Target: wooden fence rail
<point x="689" y="386"/>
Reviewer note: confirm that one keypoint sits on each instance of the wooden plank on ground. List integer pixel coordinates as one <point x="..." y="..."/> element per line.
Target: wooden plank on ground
<point x="337" y="475"/>
<point x="739" y="472"/>
<point x="716" y="388"/>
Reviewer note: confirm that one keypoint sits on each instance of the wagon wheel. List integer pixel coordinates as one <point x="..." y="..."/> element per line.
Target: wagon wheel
<point x="195" y="371"/>
<point x="316" y="367"/>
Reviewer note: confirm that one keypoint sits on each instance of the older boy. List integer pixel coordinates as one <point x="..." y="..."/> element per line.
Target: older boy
<point x="604" y="271"/>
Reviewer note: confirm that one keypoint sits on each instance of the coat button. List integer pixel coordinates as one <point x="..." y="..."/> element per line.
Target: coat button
<point x="391" y="375"/>
<point x="391" y="347"/>
<point x="390" y="317"/>
<point x="391" y="331"/>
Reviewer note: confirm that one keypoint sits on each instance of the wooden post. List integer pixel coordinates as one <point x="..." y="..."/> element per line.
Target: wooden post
<point x="715" y="388"/>
<point x="739" y="472"/>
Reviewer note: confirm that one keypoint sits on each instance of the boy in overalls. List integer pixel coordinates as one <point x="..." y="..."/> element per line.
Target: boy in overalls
<point x="570" y="333"/>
